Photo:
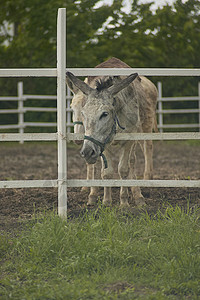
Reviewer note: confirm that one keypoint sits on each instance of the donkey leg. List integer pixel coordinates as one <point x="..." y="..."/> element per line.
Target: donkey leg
<point x="136" y="191"/>
<point x="148" y="156"/>
<point x="124" y="170"/>
<point x="148" y="149"/>
<point x="92" y="198"/>
<point x="89" y="172"/>
<point x="107" y="174"/>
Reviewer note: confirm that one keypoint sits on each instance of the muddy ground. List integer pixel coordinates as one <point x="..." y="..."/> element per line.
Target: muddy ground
<point x="39" y="161"/>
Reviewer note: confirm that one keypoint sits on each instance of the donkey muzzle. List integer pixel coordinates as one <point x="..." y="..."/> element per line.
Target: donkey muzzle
<point x="90" y="152"/>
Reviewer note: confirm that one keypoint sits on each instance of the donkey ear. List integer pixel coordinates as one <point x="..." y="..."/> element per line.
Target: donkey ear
<point x="76" y="84"/>
<point x="116" y="88"/>
<point x="71" y="86"/>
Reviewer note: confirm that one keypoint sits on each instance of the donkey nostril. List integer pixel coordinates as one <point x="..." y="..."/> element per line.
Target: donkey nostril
<point x="87" y="153"/>
<point x="82" y="154"/>
<point x="93" y="153"/>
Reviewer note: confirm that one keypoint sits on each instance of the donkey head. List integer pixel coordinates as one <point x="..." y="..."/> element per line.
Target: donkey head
<point x="76" y="105"/>
<point x="98" y="113"/>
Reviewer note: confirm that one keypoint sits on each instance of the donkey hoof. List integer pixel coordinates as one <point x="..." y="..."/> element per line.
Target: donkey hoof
<point x="92" y="200"/>
<point x="140" y="201"/>
<point x="107" y="202"/>
<point x="124" y="205"/>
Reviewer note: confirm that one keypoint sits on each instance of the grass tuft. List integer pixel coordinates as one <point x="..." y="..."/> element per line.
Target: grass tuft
<point x="104" y="255"/>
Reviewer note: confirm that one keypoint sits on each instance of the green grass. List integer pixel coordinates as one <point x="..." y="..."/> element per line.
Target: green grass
<point x="104" y="255"/>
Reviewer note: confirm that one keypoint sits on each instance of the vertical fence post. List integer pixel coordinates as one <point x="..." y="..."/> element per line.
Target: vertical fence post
<point x="20" y="108"/>
<point x="61" y="112"/>
<point x="199" y="102"/>
<point x="160" y="114"/>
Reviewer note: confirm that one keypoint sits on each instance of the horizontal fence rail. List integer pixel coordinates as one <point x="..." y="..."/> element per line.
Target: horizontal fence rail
<point x="100" y="183"/>
<point x="8" y="137"/>
<point x="179" y="111"/>
<point x="189" y="98"/>
<point x="52" y="72"/>
<point x="140" y="71"/>
<point x="128" y="183"/>
<point x="17" y="137"/>
<point x="145" y="136"/>
<point x="14" y="184"/>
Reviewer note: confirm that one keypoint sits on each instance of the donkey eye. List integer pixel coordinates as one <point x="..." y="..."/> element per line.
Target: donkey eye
<point x="103" y="115"/>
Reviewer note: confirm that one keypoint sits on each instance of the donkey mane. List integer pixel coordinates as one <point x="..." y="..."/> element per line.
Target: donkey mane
<point x="102" y="84"/>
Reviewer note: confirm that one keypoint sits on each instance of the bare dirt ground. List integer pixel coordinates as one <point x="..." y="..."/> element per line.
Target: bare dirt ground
<point x="39" y="161"/>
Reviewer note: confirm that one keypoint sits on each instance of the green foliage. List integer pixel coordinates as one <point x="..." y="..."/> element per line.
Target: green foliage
<point x="154" y="258"/>
<point x="34" y="40"/>
<point x="168" y="38"/>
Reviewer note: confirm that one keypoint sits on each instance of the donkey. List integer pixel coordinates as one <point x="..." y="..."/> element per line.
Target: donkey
<point x="77" y="102"/>
<point x="111" y="105"/>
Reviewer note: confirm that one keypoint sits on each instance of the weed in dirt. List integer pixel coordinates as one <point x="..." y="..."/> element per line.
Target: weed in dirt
<point x="105" y="254"/>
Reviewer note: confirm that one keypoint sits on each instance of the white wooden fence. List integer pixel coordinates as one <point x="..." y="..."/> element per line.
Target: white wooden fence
<point x="62" y="183"/>
<point x="161" y="112"/>
<point x="21" y="110"/>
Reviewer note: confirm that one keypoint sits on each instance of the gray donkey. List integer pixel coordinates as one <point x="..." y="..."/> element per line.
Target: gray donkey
<point x="106" y="106"/>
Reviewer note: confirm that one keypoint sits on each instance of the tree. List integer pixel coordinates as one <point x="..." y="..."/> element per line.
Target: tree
<point x="34" y="40"/>
<point x="33" y="43"/>
<point x="168" y="37"/>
